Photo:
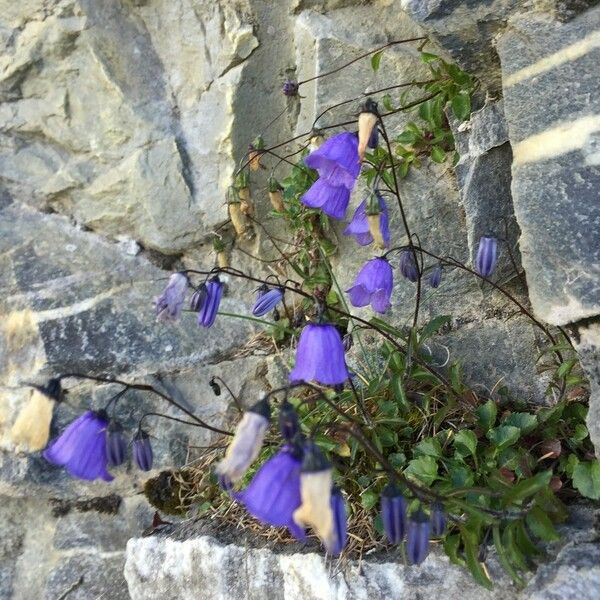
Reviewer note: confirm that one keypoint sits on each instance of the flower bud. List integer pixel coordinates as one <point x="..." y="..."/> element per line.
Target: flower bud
<point x="246" y="443"/>
<point x="393" y="513"/>
<point x="216" y="388"/>
<point x="255" y="152"/>
<point x="315" y="492"/>
<point x="199" y="297"/>
<point x="367" y="120"/>
<point x="438" y="520"/>
<point x="242" y="184"/>
<point x="487" y="255"/>
<point x="316" y="140"/>
<point x="289" y="425"/>
<point x="340" y="524"/>
<point x="348" y="341"/>
<point x="417" y="538"/>
<point x="142" y="451"/>
<point x="408" y="266"/>
<point x="436" y="277"/>
<point x="290" y="87"/>
<point x="116" y="446"/>
<point x="267" y="300"/>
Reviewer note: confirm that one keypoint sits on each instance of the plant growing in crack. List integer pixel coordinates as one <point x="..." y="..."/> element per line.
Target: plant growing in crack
<point x="377" y="444"/>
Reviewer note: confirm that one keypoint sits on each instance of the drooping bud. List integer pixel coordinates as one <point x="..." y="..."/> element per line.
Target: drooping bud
<point x="255" y="152"/>
<point x="436" y="277"/>
<point x="417" y="538"/>
<point x="367" y="119"/>
<point x="246" y="443"/>
<point x="276" y="194"/>
<point x="393" y="513"/>
<point x="315" y="491"/>
<point x="487" y="255"/>
<point x="209" y="309"/>
<point x="290" y="87"/>
<point x="340" y="524"/>
<point x="438" y="520"/>
<point x="116" y="446"/>
<point x="374" y="212"/>
<point x="408" y="265"/>
<point x="267" y="300"/>
<point x="348" y="341"/>
<point x="238" y="220"/>
<point x="142" y="451"/>
<point x="219" y="248"/>
<point x="199" y="297"/>
<point x="289" y="425"/>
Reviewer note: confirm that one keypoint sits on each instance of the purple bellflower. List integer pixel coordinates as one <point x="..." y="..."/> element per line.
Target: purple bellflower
<point x="208" y="311"/>
<point x="359" y="225"/>
<point x="170" y="302"/>
<point x="333" y="200"/>
<point x="436" y="277"/>
<point x="290" y="87"/>
<point x="393" y="513"/>
<point x="198" y="298"/>
<point x="337" y="160"/>
<point x="408" y="266"/>
<point x="417" y="538"/>
<point x="81" y="448"/>
<point x="340" y="525"/>
<point x="274" y="493"/>
<point x="320" y="356"/>
<point x="267" y="300"/>
<point x="245" y="445"/>
<point x="373" y="285"/>
<point x="116" y="446"/>
<point x="487" y="255"/>
<point x="142" y="451"/>
<point x="438" y="520"/>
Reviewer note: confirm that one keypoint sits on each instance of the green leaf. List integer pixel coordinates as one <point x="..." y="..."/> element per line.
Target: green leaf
<point x="438" y="155"/>
<point x="487" y="415"/>
<point x="465" y="442"/>
<point x="503" y="436"/>
<point x="399" y="393"/>
<point x="433" y="327"/>
<point x="428" y="447"/>
<point x="471" y="544"/>
<point x="375" y="60"/>
<point x="526" y="422"/>
<point x="368" y="499"/>
<point x="423" y="468"/>
<point x="451" y="546"/>
<point x="427" y="57"/>
<point x="503" y="556"/>
<point x="426" y="110"/>
<point x="408" y="137"/>
<point x="565" y="368"/>
<point x="527" y="487"/>
<point x="586" y="478"/>
<point x="387" y="102"/>
<point x="540" y="525"/>
<point x="461" y="106"/>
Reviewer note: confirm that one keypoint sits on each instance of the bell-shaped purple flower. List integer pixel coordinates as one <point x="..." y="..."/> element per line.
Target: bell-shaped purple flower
<point x="337" y="160"/>
<point x="81" y="448"/>
<point x="208" y="312"/>
<point x="359" y="225"/>
<point x="373" y="285"/>
<point x="289" y="425"/>
<point x="170" y="302"/>
<point x="116" y="446"/>
<point x="408" y="266"/>
<point x="438" y="520"/>
<point x="320" y="356"/>
<point x="393" y="513"/>
<point x="487" y="255"/>
<point x="331" y="199"/>
<point x="417" y="538"/>
<point x="142" y="451"/>
<point x="340" y="524"/>
<point x="436" y="277"/>
<point x="267" y="300"/>
<point x="274" y="493"/>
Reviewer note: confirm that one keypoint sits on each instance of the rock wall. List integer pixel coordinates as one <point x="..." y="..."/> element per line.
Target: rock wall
<point x="121" y="123"/>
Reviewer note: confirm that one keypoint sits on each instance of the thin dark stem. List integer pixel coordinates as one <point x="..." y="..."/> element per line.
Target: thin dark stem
<point x="235" y="398"/>
<point x="155" y="414"/>
<point x="338" y="69"/>
<point x="148" y="388"/>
